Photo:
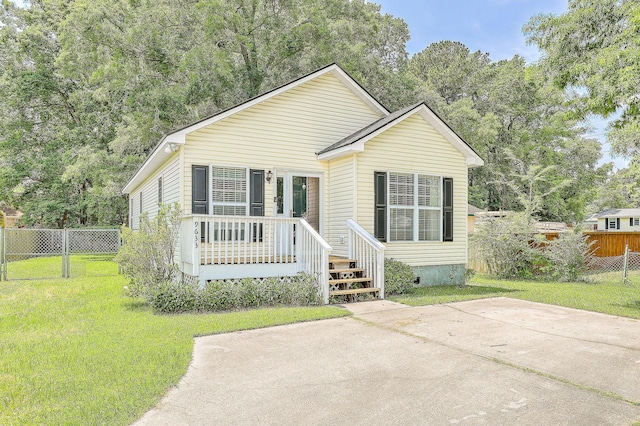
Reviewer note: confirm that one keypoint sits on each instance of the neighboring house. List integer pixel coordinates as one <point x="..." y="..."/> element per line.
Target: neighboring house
<point x="272" y="186"/>
<point x="627" y="220"/>
<point x="590" y="223"/>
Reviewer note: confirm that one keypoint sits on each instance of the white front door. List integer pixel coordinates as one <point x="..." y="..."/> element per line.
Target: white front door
<point x="299" y="194"/>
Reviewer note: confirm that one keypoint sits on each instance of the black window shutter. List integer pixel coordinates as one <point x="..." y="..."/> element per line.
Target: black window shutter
<point x="256" y="188"/>
<point x="618" y="223"/>
<point x="630" y="221"/>
<point x="380" y="215"/>
<point x="200" y="189"/>
<point x="606" y="223"/>
<point x="447" y="209"/>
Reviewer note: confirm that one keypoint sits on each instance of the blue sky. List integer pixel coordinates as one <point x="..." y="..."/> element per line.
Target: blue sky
<point x="492" y="26"/>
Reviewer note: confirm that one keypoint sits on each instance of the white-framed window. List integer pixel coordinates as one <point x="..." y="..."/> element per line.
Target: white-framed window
<point x="612" y="223"/>
<point x="636" y="221"/>
<point x="415" y="207"/>
<point x="229" y="193"/>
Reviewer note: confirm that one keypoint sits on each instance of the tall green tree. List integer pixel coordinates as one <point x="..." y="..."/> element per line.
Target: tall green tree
<point x="92" y="85"/>
<point x="594" y="48"/>
<point x="519" y="123"/>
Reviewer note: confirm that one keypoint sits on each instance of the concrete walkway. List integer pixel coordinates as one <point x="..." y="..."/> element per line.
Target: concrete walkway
<point x="492" y="361"/>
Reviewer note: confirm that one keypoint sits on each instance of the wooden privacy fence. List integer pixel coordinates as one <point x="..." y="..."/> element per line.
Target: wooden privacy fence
<point x="605" y="244"/>
<point x="608" y="244"/>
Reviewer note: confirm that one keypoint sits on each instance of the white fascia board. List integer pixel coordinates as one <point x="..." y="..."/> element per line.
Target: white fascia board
<point x="359" y="91"/>
<point x="334" y="69"/>
<point x="340" y="152"/>
<point x="472" y="159"/>
<point x="179" y="136"/>
<point x="155" y="160"/>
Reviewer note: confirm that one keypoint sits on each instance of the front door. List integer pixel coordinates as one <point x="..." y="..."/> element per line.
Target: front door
<point x="299" y="202"/>
<point x="298" y="195"/>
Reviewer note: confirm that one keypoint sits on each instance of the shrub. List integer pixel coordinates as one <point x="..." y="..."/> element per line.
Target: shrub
<point x="301" y="290"/>
<point x="147" y="255"/>
<point x="173" y="297"/>
<point x="398" y="277"/>
<point x="568" y="256"/>
<point x="508" y="245"/>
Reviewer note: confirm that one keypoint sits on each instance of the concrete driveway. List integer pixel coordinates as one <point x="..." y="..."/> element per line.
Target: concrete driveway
<point x="493" y="361"/>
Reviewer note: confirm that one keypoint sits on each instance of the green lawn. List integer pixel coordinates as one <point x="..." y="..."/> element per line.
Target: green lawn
<point x="77" y="351"/>
<point x="606" y="294"/>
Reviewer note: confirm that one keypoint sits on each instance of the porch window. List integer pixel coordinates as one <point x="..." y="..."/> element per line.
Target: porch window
<point x="229" y="190"/>
<point x="415" y="207"/>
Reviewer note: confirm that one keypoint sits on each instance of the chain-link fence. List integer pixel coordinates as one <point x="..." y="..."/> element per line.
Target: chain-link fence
<point x="625" y="267"/>
<point x="53" y="253"/>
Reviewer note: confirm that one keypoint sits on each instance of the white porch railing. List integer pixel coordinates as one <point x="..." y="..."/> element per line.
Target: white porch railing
<point x="217" y="247"/>
<point x="369" y="252"/>
<point x="313" y="256"/>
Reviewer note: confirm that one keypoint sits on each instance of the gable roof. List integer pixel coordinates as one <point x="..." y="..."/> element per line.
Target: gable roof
<point x="355" y="142"/>
<point x="472" y="210"/>
<point x="619" y="213"/>
<point x="172" y="141"/>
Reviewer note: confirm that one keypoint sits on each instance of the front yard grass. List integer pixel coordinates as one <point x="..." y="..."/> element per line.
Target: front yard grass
<point x="604" y="294"/>
<point x="77" y="351"/>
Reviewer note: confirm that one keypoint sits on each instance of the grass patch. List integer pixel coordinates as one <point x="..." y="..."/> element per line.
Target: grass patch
<point x="419" y="296"/>
<point x="50" y="267"/>
<point x="77" y="351"/>
<point x="601" y="295"/>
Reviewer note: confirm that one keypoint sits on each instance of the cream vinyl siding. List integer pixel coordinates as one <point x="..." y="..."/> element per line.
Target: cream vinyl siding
<point x="414" y="146"/>
<point x="280" y="134"/>
<point x="624" y="225"/>
<point x="342" y="193"/>
<point x="134" y="209"/>
<point x="170" y="173"/>
<point x="171" y="182"/>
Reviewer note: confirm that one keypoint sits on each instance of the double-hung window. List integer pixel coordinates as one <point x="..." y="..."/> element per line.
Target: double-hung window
<point x="229" y="190"/>
<point x="415" y="207"/>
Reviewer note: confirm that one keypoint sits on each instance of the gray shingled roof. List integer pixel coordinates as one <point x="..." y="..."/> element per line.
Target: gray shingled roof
<point x="471" y="209"/>
<point x="620" y="213"/>
<point x="355" y="137"/>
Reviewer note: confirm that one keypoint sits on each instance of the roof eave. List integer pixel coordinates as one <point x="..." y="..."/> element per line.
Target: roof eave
<point x="179" y="136"/>
<point x="471" y="157"/>
<point x="340" y="152"/>
<point x="167" y="147"/>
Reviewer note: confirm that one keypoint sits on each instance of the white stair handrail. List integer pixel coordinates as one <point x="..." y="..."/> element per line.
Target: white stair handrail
<point x="313" y="256"/>
<point x="368" y="252"/>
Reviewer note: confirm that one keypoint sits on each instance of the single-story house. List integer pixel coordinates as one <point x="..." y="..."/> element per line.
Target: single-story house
<point x="590" y="223"/>
<point x="624" y="220"/>
<point x="312" y="169"/>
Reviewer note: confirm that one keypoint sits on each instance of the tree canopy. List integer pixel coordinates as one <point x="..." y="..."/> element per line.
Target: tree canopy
<point x="90" y="86"/>
<point x="594" y="50"/>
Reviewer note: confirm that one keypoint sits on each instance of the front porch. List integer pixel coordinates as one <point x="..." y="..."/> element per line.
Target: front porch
<point x="214" y="247"/>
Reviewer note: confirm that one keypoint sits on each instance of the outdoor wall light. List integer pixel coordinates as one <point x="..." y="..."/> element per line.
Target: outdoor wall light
<point x="269" y="176"/>
<point x="171" y="147"/>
